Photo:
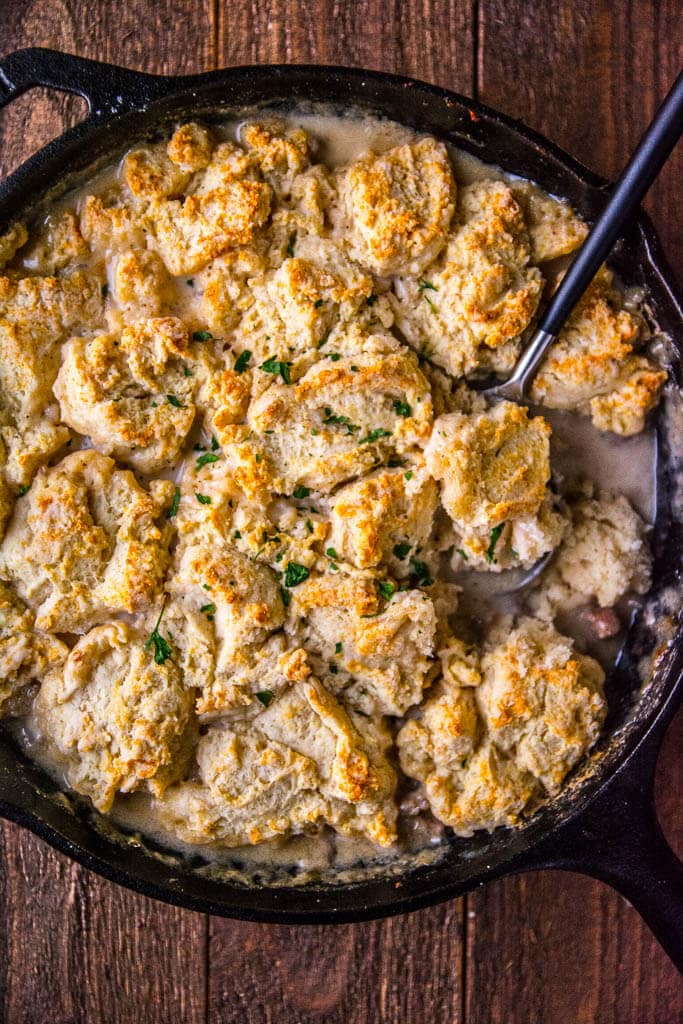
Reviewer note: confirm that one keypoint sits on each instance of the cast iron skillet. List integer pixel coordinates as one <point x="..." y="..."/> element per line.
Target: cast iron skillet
<point x="604" y="823"/>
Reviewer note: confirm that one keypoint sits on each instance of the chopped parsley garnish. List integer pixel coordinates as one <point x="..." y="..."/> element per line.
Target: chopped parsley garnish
<point x="375" y="435"/>
<point x="333" y="668"/>
<point x="387" y="589"/>
<point x="162" y="649"/>
<point x="190" y="282"/>
<point x="317" y="304"/>
<point x="23" y="489"/>
<point x="277" y="366"/>
<point x="325" y="338"/>
<point x="175" y="402"/>
<point x="286" y="596"/>
<point x="266" y="697"/>
<point x="202" y="336"/>
<point x="214" y="445"/>
<point x="205" y="459"/>
<point x="237" y="535"/>
<point x="309" y="526"/>
<point x="354" y="368"/>
<point x="314" y="432"/>
<point x="242" y="361"/>
<point x="301" y="492"/>
<point x="371" y="300"/>
<point x="401" y="550"/>
<point x="343" y="421"/>
<point x="290" y="245"/>
<point x="463" y="554"/>
<point x="203" y="499"/>
<point x="331" y="553"/>
<point x="209" y="610"/>
<point x="402" y="408"/>
<point x="338" y="647"/>
<point x="188" y="372"/>
<point x="408" y="474"/>
<point x="173" y="510"/>
<point x="334" y="357"/>
<point x="421" y="577"/>
<point x="295" y="574"/>
<point x="495" y="537"/>
<point x="425" y="286"/>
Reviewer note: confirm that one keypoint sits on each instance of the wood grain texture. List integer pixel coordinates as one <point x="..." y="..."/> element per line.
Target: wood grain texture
<point x="401" y="971"/>
<point x="536" y="950"/>
<point x="75" y="949"/>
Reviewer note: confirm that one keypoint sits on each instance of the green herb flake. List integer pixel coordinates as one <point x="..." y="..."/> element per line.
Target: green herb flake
<point x="338" y="647"/>
<point x="402" y="408"/>
<point x="175" y="402"/>
<point x="301" y="492"/>
<point x="334" y="357"/>
<point x="190" y="282"/>
<point x="333" y="668"/>
<point x="286" y="597"/>
<point x="206" y="459"/>
<point x="214" y="445"/>
<point x="277" y="366"/>
<point x="237" y="535"/>
<point x="495" y="537"/>
<point x="188" y="372"/>
<point x="421" y="577"/>
<point x="295" y="574"/>
<point x="206" y="586"/>
<point x="425" y="286"/>
<point x="317" y="304"/>
<point x="22" y="490"/>
<point x="354" y="368"/>
<point x="387" y="589"/>
<point x="202" y="336"/>
<point x="173" y="510"/>
<point x="331" y="553"/>
<point x="401" y="550"/>
<point x="162" y="649"/>
<point x="325" y="338"/>
<point x="409" y="474"/>
<point x="371" y="300"/>
<point x="203" y="499"/>
<point x="290" y="246"/>
<point x="463" y="554"/>
<point x="309" y="526"/>
<point x="266" y="697"/>
<point x="242" y="361"/>
<point x="314" y="432"/>
<point x="209" y="610"/>
<point x="375" y="435"/>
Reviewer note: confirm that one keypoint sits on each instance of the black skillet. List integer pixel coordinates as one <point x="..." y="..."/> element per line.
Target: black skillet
<point x="604" y="823"/>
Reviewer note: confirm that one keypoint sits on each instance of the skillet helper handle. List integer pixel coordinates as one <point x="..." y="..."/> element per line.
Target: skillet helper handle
<point x="105" y="87"/>
<point x="618" y="840"/>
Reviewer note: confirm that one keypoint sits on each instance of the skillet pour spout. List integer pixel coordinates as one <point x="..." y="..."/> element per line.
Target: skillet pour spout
<point x="603" y="823"/>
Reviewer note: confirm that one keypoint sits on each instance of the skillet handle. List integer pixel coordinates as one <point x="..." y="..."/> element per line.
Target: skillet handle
<point x="617" y="839"/>
<point x="106" y="88"/>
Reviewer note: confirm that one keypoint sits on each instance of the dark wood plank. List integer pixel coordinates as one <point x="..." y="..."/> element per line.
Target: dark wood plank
<point x="588" y="75"/>
<point x="405" y="970"/>
<point x="401" y="971"/>
<point x="428" y="39"/>
<point x="73" y="947"/>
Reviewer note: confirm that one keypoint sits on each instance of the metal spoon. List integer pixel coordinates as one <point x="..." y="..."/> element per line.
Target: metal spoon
<point x="641" y="170"/>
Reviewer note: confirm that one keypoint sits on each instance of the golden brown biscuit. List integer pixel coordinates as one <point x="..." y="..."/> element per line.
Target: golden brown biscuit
<point x="120" y="719"/>
<point x="395" y="207"/>
<point x="472" y="305"/>
<point x="85" y="542"/>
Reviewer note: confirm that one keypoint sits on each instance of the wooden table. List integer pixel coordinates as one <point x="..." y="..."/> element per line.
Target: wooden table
<point x="550" y="948"/>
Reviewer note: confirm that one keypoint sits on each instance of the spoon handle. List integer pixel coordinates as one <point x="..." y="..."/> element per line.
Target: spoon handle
<point x="636" y="178"/>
